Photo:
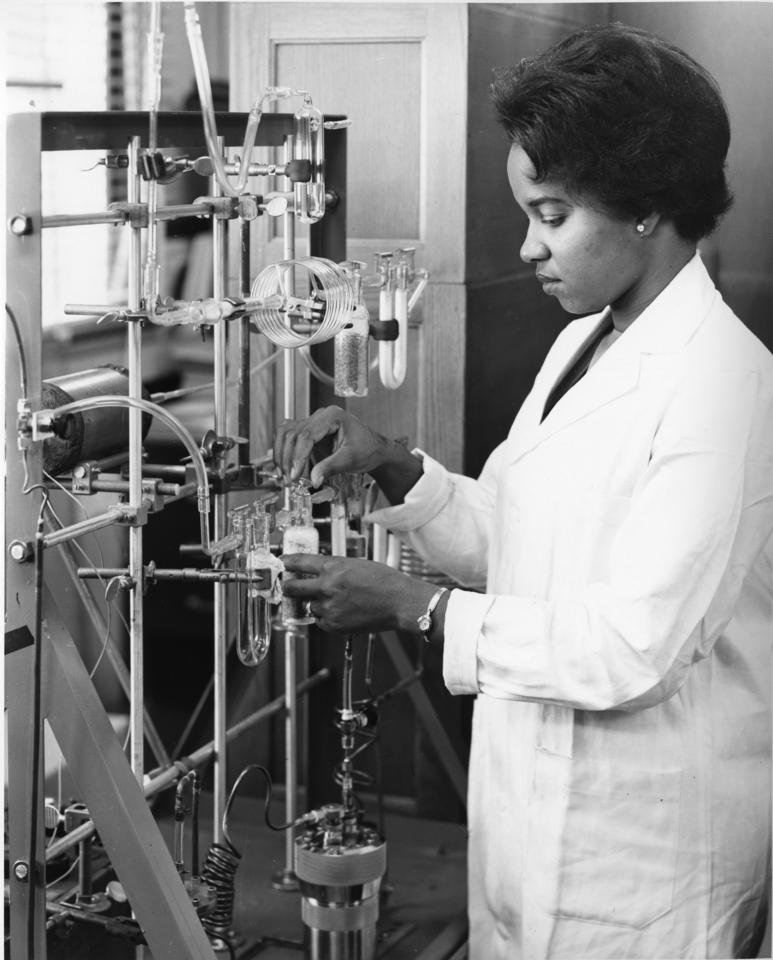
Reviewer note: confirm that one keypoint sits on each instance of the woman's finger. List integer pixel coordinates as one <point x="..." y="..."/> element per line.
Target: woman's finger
<point x="308" y="563"/>
<point x="301" y="589"/>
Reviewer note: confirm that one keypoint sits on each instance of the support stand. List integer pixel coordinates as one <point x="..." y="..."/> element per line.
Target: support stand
<point x="109" y="790"/>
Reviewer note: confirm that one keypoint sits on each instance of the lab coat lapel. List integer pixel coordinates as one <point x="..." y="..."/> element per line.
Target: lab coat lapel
<point x="619" y="375"/>
<point x="613" y="376"/>
<point x="664" y="327"/>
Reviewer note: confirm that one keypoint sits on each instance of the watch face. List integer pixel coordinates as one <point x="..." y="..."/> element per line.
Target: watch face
<point x="424" y="623"/>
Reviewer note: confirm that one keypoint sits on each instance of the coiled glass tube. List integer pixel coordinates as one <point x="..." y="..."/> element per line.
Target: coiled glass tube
<point x="331" y="290"/>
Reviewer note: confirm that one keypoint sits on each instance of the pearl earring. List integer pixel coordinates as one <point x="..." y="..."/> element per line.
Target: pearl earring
<point x="640" y="229"/>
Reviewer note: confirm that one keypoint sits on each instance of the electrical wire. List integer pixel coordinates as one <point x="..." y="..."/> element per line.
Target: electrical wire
<point x="106" y="640"/>
<point x="101" y="579"/>
<point x="66" y="874"/>
<point x="20" y="344"/>
<point x="79" y="504"/>
<point x="269" y="789"/>
<point x="77" y="545"/>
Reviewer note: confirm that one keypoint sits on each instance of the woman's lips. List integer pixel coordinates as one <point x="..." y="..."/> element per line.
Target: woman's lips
<point x="547" y="282"/>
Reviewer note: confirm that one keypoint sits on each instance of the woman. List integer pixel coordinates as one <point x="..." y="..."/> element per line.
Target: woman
<point x="620" y="537"/>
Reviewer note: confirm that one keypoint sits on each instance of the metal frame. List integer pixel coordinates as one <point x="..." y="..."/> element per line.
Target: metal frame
<point x="110" y="786"/>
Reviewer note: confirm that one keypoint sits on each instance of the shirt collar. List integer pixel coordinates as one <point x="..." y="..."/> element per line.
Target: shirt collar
<point x="668" y="323"/>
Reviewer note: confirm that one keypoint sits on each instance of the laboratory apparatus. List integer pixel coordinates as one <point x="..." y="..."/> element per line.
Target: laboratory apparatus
<point x="300" y="536"/>
<point x="351" y="355"/>
<point x="400" y="286"/>
<point x="84" y="434"/>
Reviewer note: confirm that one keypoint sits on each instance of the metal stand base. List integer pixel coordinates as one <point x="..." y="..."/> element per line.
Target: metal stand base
<point x="94" y="902"/>
<point x="285" y="880"/>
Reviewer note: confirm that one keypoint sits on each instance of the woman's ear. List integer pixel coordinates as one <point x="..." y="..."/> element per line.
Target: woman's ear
<point x="646" y="224"/>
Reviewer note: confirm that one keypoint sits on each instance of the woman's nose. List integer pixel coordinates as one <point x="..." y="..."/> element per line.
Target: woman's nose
<point x="533" y="249"/>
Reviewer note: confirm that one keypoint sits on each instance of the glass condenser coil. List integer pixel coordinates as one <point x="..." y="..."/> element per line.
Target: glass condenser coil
<point x="303" y="321"/>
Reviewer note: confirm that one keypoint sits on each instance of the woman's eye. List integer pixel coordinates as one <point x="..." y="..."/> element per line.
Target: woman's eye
<point x="553" y="221"/>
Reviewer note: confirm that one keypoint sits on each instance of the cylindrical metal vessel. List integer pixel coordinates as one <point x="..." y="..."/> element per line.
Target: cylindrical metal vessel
<point x="94" y="433"/>
<point x="340" y="865"/>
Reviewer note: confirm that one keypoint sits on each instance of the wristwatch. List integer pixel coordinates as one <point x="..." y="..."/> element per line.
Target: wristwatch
<point x="425" y="620"/>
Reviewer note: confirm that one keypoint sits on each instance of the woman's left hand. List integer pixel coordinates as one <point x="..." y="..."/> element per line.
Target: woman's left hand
<point x="356" y="596"/>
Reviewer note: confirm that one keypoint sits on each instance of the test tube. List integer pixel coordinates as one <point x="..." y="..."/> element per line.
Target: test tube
<point x="255" y="639"/>
<point x="299" y="537"/>
<point x="309" y="144"/>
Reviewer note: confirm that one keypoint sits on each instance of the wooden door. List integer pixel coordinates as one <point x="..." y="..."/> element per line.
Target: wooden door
<point x="398" y="71"/>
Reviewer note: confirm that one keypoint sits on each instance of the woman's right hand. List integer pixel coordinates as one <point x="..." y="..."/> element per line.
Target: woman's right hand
<point x="338" y="442"/>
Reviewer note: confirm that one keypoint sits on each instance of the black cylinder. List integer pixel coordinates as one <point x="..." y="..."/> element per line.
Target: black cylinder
<point x="92" y="434"/>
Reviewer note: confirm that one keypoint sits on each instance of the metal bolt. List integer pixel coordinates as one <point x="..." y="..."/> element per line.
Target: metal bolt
<point x="20" y="225"/>
<point x="20" y="550"/>
<point x="21" y="870"/>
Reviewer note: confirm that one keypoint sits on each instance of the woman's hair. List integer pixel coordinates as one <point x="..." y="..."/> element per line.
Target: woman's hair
<point x="626" y="120"/>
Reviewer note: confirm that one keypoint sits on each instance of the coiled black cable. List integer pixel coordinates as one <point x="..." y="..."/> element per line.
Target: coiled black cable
<point x="219" y="872"/>
<point x="222" y="861"/>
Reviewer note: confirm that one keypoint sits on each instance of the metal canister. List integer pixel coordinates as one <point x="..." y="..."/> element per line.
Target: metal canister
<point x="340" y="864"/>
<point x="92" y="434"/>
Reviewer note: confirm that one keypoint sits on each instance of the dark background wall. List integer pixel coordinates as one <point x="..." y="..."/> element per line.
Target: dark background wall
<point x="734" y="40"/>
<point x="511" y="323"/>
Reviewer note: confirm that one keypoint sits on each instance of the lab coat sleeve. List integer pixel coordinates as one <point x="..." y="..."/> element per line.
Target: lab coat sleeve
<point x="698" y="518"/>
<point x="447" y="519"/>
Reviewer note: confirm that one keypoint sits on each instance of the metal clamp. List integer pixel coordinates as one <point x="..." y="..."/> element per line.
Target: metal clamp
<point x="131" y="516"/>
<point x="222" y="208"/>
<point x="135" y="214"/>
<point x="83" y="476"/>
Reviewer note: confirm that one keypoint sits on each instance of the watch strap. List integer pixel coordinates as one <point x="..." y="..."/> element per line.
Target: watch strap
<point x="425" y="620"/>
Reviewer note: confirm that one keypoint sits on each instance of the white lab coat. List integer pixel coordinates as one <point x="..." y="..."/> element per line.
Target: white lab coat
<point x="619" y="798"/>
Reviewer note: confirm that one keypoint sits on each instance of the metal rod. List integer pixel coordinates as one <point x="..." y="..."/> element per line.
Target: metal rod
<point x="186" y="490"/>
<point x="118" y="485"/>
<point x="169" y="470"/>
<point x="75" y="530"/>
<point x="184" y="573"/>
<point x="291" y="715"/>
<point x="88" y="309"/>
<point x="134" y="351"/>
<point x="82" y="219"/>
<point x="219" y="253"/>
<point x="172" y="774"/>
<point x="291" y="748"/>
<point x="51" y="221"/>
<point x="245" y="362"/>
<point x="201" y="209"/>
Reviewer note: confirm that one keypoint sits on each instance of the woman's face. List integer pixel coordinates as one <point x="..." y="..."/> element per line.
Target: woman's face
<point x="584" y="257"/>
